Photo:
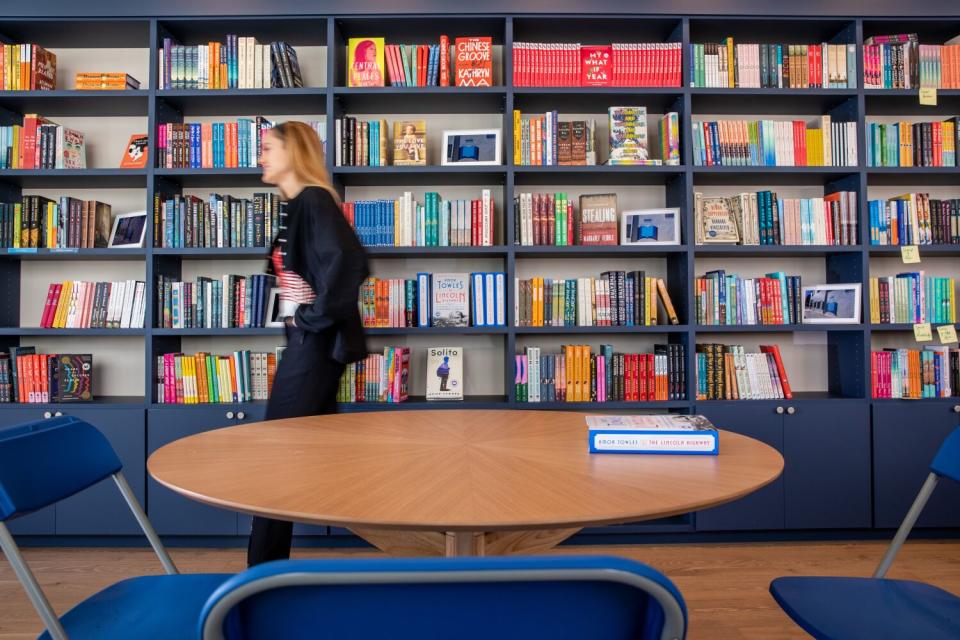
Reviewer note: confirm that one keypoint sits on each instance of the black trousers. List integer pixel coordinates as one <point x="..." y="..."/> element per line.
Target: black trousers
<point x="305" y="384"/>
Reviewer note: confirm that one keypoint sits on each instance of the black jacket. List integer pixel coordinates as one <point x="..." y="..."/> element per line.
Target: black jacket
<point x="323" y="250"/>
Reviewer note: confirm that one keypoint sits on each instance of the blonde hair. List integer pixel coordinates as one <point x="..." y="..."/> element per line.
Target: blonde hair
<point x="306" y="155"/>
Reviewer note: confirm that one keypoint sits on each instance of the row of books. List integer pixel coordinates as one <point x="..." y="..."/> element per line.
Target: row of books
<point x="40" y="143"/>
<point x="913" y="144"/>
<point x="728" y="372"/>
<point x="380" y="377"/>
<point x="195" y="145"/>
<point x="545" y="140"/>
<point x="106" y="81"/>
<point x="37" y="222"/>
<point x="614" y="299"/>
<point x="913" y="297"/>
<point x="571" y="64"/>
<point x="404" y="222"/>
<point x="75" y="304"/>
<point x="576" y="374"/>
<point x="900" y="62"/>
<point x="202" y="378"/>
<point x="774" y="143"/>
<point x="367" y="143"/>
<point x="27" y="67"/>
<point x="933" y="372"/>
<point x="30" y="377"/>
<point x="219" y="221"/>
<point x="786" y="66"/>
<point x="549" y="219"/>
<point x="226" y="302"/>
<point x="435" y="299"/>
<point x="419" y="65"/>
<point x="239" y="63"/>
<point x="764" y="218"/>
<point x="914" y="218"/>
<point x="727" y="299"/>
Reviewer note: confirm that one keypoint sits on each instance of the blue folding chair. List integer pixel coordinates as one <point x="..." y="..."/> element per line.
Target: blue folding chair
<point x="877" y="608"/>
<point x="558" y="597"/>
<point x="46" y="461"/>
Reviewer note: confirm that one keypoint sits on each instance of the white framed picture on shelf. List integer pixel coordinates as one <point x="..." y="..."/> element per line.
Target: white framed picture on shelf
<point x="128" y="230"/>
<point x="831" y="304"/>
<point x="650" y="226"/>
<point x="273" y="318"/>
<point x="472" y="146"/>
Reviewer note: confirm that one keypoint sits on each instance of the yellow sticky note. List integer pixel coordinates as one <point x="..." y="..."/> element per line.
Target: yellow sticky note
<point x="928" y="96"/>
<point x="910" y="254"/>
<point x="922" y="332"/>
<point x="948" y="333"/>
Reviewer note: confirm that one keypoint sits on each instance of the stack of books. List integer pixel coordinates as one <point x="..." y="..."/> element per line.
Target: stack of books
<point x="380" y="377"/>
<point x="913" y="144"/>
<point x="27" y="67"/>
<point x="774" y="143"/>
<point x="782" y="66"/>
<point x="570" y="64"/>
<point x="40" y="143"/>
<point x="228" y="302"/>
<point x="765" y="218"/>
<point x="728" y="372"/>
<point x="912" y="297"/>
<point x="933" y="372"/>
<point x="219" y="221"/>
<point x="92" y="81"/>
<point x="436" y="222"/>
<point x="576" y="374"/>
<point x="239" y="63"/>
<point x="728" y="299"/>
<point x="614" y="299"/>
<point x="209" y="145"/>
<point x="37" y="222"/>
<point x="30" y="377"/>
<point x="94" y="305"/>
<point x="914" y="218"/>
<point x="202" y="378"/>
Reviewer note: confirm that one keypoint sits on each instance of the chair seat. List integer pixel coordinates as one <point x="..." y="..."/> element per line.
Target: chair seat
<point x="147" y="608"/>
<point x="868" y="608"/>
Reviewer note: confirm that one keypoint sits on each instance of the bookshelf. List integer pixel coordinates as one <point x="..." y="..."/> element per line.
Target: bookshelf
<point x="830" y="366"/>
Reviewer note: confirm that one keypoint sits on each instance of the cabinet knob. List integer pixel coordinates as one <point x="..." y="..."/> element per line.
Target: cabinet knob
<point x="230" y="415"/>
<point x="57" y="414"/>
<point x="780" y="410"/>
<point x="241" y="415"/>
<point x="47" y="415"/>
<point x="956" y="408"/>
<point x="791" y="410"/>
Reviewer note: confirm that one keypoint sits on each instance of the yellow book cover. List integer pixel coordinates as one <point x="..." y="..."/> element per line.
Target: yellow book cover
<point x="51" y="239"/>
<point x="17" y="221"/>
<point x="874" y="301"/>
<point x="731" y="70"/>
<point x="382" y="141"/>
<point x="585" y="373"/>
<point x="365" y="62"/>
<point x="517" y="143"/>
<point x="59" y="316"/>
<point x="410" y="142"/>
<point x="568" y="372"/>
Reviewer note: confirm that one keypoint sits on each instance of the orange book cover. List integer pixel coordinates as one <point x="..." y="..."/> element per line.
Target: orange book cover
<point x="473" y="61"/>
<point x="135" y="154"/>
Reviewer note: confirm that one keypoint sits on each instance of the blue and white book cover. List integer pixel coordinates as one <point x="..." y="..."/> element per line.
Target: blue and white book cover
<point x="663" y="434"/>
<point x="450" y="304"/>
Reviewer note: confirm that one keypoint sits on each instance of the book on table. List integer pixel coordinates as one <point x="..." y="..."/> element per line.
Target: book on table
<point x="661" y="434"/>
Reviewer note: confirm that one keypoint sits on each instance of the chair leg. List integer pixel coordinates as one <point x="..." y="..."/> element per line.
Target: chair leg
<point x="144" y="523"/>
<point x="30" y="585"/>
<point x="908" y="521"/>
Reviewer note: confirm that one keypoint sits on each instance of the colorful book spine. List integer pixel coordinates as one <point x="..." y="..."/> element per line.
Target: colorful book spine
<point x="216" y="145"/>
<point x="774" y="143"/>
<point x="544" y="64"/>
<point x="912" y="298"/>
<point x="205" y="378"/>
<point x="230" y="301"/>
<point x="913" y="144"/>
<point x="380" y="377"/>
<point x="727" y="64"/>
<point x="914" y="219"/>
<point x="728" y="299"/>
<point x="933" y="372"/>
<point x="729" y="372"/>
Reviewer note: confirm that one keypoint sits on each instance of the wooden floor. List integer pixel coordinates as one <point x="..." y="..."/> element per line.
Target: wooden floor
<point x="725" y="586"/>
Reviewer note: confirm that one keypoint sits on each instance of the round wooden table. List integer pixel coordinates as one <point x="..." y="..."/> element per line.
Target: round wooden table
<point x="451" y="482"/>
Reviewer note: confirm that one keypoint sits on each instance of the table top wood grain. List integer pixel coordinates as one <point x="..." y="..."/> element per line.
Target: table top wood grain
<point x="451" y="470"/>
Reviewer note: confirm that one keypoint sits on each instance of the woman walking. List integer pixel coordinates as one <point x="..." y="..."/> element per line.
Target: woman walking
<point x="320" y="265"/>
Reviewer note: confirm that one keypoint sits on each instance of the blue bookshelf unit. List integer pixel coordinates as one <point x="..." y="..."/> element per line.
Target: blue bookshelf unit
<point x="852" y="462"/>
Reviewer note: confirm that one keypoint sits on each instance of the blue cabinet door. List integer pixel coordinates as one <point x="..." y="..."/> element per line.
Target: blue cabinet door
<point x="906" y="436"/>
<point x="826" y="446"/>
<point x="171" y="513"/>
<point x="764" y="508"/>
<point x="101" y="509"/>
<point x="42" y="522"/>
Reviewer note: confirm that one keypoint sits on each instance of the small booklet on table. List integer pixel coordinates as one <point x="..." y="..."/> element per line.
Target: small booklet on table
<point x="667" y="433"/>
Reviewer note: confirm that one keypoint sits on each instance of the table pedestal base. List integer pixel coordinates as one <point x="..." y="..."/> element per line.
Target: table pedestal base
<point x="463" y="543"/>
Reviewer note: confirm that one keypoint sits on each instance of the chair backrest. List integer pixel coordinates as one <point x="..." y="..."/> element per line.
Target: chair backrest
<point x="947" y="461"/>
<point x="46" y="461"/>
<point x="438" y="598"/>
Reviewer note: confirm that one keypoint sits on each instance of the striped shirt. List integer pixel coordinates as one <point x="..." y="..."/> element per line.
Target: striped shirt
<point x="294" y="291"/>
